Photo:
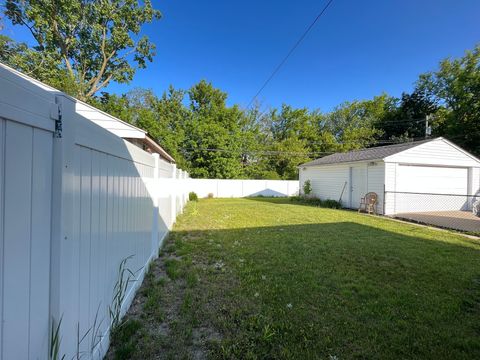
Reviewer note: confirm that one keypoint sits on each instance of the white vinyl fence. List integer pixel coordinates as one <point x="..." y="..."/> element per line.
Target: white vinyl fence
<point x="75" y="200"/>
<point x="243" y="188"/>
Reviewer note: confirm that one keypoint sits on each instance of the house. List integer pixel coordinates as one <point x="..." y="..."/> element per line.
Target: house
<point x="114" y="125"/>
<point x="122" y="129"/>
<point x="428" y="175"/>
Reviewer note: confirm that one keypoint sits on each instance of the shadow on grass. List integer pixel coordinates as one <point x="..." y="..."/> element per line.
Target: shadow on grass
<point x="343" y="289"/>
<point x="460" y="224"/>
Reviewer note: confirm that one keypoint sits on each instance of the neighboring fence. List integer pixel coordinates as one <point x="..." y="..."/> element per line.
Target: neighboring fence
<point x="243" y="188"/>
<point x="75" y="200"/>
<point x="453" y="211"/>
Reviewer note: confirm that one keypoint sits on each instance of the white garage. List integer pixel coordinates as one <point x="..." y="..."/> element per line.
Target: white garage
<point x="421" y="176"/>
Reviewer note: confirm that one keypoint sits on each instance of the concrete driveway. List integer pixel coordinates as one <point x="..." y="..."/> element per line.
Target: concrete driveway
<point x="458" y="220"/>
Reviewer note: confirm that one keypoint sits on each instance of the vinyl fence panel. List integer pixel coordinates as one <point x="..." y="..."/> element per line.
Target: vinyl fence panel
<point x="75" y="201"/>
<point x="25" y="200"/>
<point x="243" y="188"/>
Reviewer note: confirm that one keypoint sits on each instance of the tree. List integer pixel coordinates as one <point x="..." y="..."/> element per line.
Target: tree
<point x="404" y="118"/>
<point x="164" y="119"/>
<point x="290" y="153"/>
<point x="213" y="145"/>
<point x="455" y="89"/>
<point x="92" y="42"/>
<point x="353" y="124"/>
<point x="294" y="137"/>
<point x="41" y="66"/>
<point x="173" y="117"/>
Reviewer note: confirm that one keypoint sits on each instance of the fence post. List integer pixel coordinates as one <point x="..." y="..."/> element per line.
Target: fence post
<point x="185" y="196"/>
<point x="156" y="214"/>
<point x="64" y="246"/>
<point x="180" y="190"/>
<point x="173" y="195"/>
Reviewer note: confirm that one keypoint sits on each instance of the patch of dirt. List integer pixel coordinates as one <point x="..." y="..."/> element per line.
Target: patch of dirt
<point x="166" y="332"/>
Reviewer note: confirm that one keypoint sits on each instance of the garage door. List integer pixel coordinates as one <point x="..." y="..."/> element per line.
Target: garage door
<point x="431" y="179"/>
<point x="430" y="188"/>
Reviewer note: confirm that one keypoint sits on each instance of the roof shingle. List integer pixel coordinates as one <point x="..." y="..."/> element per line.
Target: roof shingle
<point x="374" y="153"/>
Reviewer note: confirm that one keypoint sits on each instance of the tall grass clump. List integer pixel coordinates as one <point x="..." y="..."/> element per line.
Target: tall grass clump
<point x="124" y="278"/>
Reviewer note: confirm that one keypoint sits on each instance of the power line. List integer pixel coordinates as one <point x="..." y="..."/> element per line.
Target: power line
<point x="402" y="121"/>
<point x="289" y="53"/>
<point x="259" y="152"/>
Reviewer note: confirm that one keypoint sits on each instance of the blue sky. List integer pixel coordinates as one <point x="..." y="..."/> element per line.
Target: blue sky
<point x="357" y="50"/>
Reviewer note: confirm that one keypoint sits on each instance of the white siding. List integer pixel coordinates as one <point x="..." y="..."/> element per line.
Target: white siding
<point x="375" y="182"/>
<point x="116" y="126"/>
<point x="436" y="152"/>
<point x="390" y="187"/>
<point x="474" y="181"/>
<point x="328" y="182"/>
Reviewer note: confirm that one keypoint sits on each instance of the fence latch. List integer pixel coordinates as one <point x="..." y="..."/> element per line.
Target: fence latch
<point x="56" y="114"/>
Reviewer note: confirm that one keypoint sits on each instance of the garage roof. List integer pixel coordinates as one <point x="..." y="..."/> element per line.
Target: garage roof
<point x="375" y="153"/>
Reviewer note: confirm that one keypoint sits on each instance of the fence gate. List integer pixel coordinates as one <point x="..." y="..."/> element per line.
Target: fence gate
<point x="25" y="198"/>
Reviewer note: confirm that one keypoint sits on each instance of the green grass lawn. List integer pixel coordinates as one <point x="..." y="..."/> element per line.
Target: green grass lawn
<point x="267" y="278"/>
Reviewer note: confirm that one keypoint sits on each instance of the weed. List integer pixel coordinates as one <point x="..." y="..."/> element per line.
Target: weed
<point x="172" y="268"/>
<point x="55" y="340"/>
<point x="307" y="187"/>
<point x="124" y="278"/>
<point x="125" y="339"/>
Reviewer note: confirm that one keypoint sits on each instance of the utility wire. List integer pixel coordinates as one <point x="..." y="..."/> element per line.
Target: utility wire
<point x="289" y="53"/>
<point x="259" y="152"/>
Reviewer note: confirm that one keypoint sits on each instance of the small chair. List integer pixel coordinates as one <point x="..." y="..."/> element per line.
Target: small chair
<point x="369" y="203"/>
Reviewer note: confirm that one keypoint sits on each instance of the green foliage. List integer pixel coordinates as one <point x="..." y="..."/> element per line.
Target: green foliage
<point x="207" y="137"/>
<point x="214" y="141"/>
<point x="91" y="42"/>
<point x="173" y="268"/>
<point x="302" y="282"/>
<point x="125" y="339"/>
<point x="353" y="123"/>
<point x="55" y="340"/>
<point x="192" y="196"/>
<point x="405" y="118"/>
<point x="124" y="277"/>
<point x="307" y="187"/>
<point x="313" y="201"/>
<point x="454" y="88"/>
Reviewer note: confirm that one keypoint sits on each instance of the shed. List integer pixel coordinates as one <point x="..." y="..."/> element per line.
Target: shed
<point x="428" y="175"/>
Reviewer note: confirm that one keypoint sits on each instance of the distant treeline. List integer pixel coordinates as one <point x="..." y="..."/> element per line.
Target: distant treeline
<point x="213" y="140"/>
<point x="82" y="47"/>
